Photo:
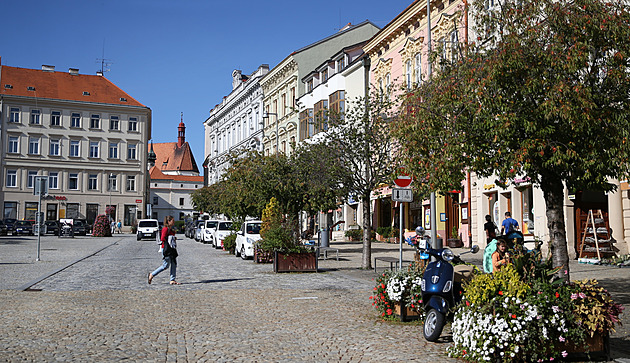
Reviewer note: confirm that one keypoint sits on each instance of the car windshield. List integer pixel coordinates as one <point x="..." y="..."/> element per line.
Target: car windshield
<point x="24" y="223"/>
<point x="211" y="224"/>
<point x="225" y="226"/>
<point x="253" y="228"/>
<point x="148" y="224"/>
<point x="78" y="223"/>
<point x="50" y="223"/>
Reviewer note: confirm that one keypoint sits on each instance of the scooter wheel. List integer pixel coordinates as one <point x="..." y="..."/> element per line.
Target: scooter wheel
<point x="433" y="325"/>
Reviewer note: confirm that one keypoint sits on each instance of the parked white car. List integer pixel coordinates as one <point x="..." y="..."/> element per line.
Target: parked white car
<point x="208" y="230"/>
<point x="148" y="228"/>
<point x="246" y="238"/>
<point x="223" y="230"/>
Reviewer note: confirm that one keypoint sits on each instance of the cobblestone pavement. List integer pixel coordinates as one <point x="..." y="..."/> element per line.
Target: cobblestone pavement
<point x="226" y="310"/>
<point x="89" y="301"/>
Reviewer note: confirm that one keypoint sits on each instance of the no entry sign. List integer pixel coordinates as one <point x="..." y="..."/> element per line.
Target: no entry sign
<point x="403" y="181"/>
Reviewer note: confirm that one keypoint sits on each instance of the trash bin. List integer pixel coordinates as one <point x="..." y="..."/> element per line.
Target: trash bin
<point x="323" y="237"/>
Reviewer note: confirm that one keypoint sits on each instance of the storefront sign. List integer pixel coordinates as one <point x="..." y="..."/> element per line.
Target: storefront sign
<point x="522" y="180"/>
<point x="138" y="201"/>
<point x="489" y="186"/>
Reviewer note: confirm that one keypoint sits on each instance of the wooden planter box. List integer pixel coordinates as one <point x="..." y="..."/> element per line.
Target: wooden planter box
<point x="295" y="262"/>
<point x="598" y="348"/>
<point x="262" y="257"/>
<point x="455" y="243"/>
<point x="406" y="314"/>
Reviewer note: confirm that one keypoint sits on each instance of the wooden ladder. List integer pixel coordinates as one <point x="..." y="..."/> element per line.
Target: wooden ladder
<point x="591" y="220"/>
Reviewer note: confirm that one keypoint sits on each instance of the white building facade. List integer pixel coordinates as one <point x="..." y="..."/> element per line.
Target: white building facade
<point x="235" y="123"/>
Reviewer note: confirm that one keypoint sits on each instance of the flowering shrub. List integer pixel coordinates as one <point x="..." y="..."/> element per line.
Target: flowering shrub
<point x="101" y="226"/>
<point x="380" y="298"/>
<point x="512" y="319"/>
<point x="403" y="287"/>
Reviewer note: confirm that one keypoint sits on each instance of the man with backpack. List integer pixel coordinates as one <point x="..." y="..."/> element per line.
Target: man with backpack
<point x="509" y="224"/>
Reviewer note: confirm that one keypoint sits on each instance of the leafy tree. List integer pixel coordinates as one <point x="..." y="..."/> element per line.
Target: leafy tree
<point x="297" y="182"/>
<point x="544" y="92"/>
<point x="359" y="144"/>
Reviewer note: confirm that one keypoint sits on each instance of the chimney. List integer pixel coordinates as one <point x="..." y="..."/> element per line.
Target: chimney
<point x="181" y="133"/>
<point x="48" y="68"/>
<point x="73" y="71"/>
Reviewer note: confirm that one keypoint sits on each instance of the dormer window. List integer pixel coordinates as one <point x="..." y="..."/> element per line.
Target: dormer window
<point x="324" y="75"/>
<point x="30" y="88"/>
<point x="309" y="85"/>
<point x="8" y="86"/>
<point x="86" y="93"/>
<point x="123" y="99"/>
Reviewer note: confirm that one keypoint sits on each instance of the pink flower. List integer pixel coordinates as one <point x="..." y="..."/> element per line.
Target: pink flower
<point x="582" y="295"/>
<point x="574" y="296"/>
<point x="564" y="354"/>
<point x="562" y="339"/>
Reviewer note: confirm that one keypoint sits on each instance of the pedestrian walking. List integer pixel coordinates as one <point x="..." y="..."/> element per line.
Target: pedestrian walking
<point x="112" y="226"/>
<point x="119" y="227"/>
<point x="490" y="228"/>
<point x="169" y="251"/>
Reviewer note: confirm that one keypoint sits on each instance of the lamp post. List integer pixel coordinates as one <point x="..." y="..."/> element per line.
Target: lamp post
<point x="267" y="116"/>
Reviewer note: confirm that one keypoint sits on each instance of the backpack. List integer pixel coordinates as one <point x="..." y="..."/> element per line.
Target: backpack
<point x="487" y="256"/>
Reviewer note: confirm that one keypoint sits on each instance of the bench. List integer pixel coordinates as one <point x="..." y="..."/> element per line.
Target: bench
<point x="325" y="250"/>
<point x="392" y="261"/>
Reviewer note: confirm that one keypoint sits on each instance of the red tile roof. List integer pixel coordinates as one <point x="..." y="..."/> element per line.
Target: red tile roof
<point x="156" y="174"/>
<point x="62" y="86"/>
<point x="171" y="158"/>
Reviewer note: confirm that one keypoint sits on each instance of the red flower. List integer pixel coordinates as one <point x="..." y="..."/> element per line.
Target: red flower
<point x="513" y="316"/>
<point x="464" y="352"/>
<point x="389" y="311"/>
<point x="501" y="293"/>
<point x="467" y="303"/>
<point x="557" y="295"/>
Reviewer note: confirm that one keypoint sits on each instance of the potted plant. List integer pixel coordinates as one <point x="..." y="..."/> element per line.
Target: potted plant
<point x="522" y="312"/>
<point x="397" y="294"/>
<point x="455" y="241"/>
<point x="354" y="234"/>
<point x="289" y="255"/>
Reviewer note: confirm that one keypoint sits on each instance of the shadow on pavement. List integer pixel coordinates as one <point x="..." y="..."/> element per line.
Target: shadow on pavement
<point x="214" y="281"/>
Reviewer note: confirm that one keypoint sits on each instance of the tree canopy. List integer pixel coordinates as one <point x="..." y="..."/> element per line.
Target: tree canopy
<point x="544" y="91"/>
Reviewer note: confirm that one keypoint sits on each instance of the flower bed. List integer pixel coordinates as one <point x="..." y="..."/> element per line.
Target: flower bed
<point x="397" y="292"/>
<point x="523" y="313"/>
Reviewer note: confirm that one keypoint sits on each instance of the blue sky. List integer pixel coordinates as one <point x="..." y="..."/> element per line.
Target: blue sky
<point x="174" y="55"/>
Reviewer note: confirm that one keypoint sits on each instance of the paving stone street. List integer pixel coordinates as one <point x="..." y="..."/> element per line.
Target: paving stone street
<point x="88" y="300"/>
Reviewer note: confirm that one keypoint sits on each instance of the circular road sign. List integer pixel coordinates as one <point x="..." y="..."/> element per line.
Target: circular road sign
<point x="403" y="181"/>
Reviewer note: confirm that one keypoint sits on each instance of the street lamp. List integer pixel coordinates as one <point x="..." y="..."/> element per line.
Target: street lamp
<point x="267" y="116"/>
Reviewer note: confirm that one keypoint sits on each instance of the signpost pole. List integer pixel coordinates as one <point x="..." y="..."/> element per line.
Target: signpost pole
<point x="38" y="221"/>
<point x="401" y="235"/>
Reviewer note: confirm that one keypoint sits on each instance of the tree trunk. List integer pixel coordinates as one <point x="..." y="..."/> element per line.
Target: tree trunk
<point x="553" y="191"/>
<point x="367" y="236"/>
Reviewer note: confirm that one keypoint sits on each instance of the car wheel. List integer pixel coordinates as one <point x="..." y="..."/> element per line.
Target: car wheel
<point x="243" y="256"/>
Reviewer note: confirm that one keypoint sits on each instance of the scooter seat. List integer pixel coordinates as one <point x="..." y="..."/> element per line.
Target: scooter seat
<point x="462" y="273"/>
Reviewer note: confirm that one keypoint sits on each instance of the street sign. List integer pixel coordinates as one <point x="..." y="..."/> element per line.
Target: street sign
<point x="402" y="195"/>
<point x="41" y="185"/>
<point x="403" y="181"/>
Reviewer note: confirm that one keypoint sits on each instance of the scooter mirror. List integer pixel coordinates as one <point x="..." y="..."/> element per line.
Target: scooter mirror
<point x="474" y="249"/>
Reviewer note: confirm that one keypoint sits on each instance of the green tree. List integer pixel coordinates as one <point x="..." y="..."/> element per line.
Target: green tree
<point x="543" y="92"/>
<point x="359" y="144"/>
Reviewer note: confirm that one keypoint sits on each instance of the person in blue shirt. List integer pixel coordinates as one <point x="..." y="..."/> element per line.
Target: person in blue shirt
<point x="509" y="224"/>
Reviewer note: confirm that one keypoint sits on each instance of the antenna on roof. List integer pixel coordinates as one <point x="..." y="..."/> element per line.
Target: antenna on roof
<point x="105" y="63"/>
